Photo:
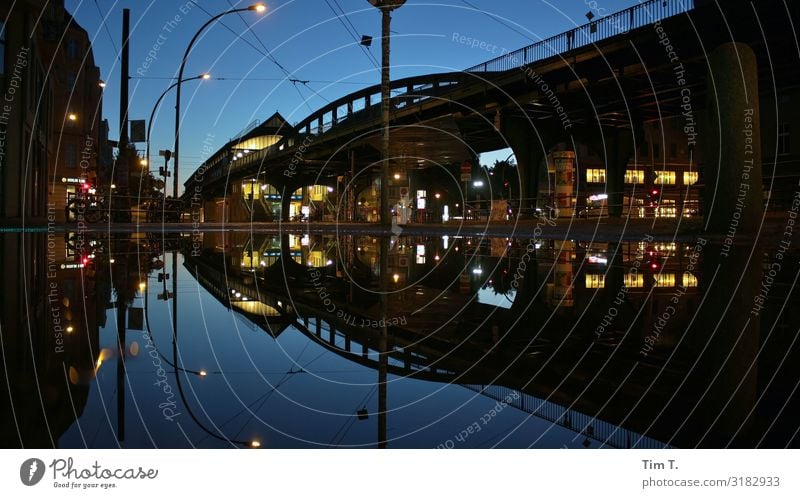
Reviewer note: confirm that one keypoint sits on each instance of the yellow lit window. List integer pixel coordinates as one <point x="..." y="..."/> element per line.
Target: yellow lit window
<point x="665" y="280"/>
<point x="634" y="176"/>
<point x="665" y="178"/>
<point x="595" y="175"/>
<point x="595" y="281"/>
<point x="689" y="280"/>
<point x="634" y="281"/>
<point x="666" y="246"/>
<point x="317" y="192"/>
<point x="690" y="177"/>
<point x="667" y="209"/>
<point x="251" y="189"/>
<point x="249" y="259"/>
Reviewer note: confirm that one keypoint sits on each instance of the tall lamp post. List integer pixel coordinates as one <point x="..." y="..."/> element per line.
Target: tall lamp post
<point x="386" y="7"/>
<point x="260" y="7"/>
<point x="204" y="76"/>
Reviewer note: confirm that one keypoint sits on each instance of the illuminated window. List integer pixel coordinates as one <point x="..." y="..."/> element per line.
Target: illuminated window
<point x="595" y="281"/>
<point x="595" y="175"/>
<point x="634" y="281"/>
<point x="667" y="209"/>
<point x="251" y="190"/>
<point x="665" y="280"/>
<point x="689" y="280"/>
<point x="316" y="259"/>
<point x="666" y="246"/>
<point x="250" y="259"/>
<point x="690" y="177"/>
<point x="420" y="254"/>
<point x="270" y="192"/>
<point x="665" y="178"/>
<point x="634" y="176"/>
<point x="666" y="212"/>
<point x="317" y="192"/>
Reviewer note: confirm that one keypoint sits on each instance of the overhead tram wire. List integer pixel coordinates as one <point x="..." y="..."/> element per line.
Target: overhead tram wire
<point x="247" y="78"/>
<point x="498" y="20"/>
<point x="289" y="75"/>
<point x="108" y="32"/>
<point x="267" y="56"/>
<point x="354" y="35"/>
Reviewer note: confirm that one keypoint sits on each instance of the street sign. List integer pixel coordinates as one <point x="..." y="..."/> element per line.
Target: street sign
<point x="137" y="130"/>
<point x="466" y="171"/>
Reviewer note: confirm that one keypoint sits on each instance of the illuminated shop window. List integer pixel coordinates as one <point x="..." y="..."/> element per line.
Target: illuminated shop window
<point x="665" y="280"/>
<point x="595" y="175"/>
<point x="667" y="209"/>
<point x="595" y="281"/>
<point x="690" y="177"/>
<point x="635" y="176"/>
<point x="665" y="178"/>
<point x="634" y="281"/>
<point x="689" y="280"/>
<point x="251" y="190"/>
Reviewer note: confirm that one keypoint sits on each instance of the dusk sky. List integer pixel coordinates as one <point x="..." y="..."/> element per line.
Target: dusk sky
<point x="308" y="40"/>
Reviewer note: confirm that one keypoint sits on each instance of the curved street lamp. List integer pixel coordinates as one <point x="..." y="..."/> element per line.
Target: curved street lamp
<point x="260" y="8"/>
<point x="204" y="76"/>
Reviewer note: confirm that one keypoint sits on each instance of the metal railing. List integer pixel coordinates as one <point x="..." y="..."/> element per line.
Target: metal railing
<point x="594" y="31"/>
<point x="590" y="427"/>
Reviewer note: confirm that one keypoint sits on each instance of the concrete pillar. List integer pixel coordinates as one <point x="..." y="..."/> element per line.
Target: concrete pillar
<point x="286" y="200"/>
<point x="530" y="148"/>
<point x="733" y="194"/>
<point x="564" y="162"/>
<point x="620" y="149"/>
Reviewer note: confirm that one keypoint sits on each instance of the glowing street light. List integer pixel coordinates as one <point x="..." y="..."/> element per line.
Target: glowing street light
<point x="260" y="8"/>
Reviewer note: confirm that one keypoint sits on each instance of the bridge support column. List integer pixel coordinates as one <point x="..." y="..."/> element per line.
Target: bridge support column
<point x="286" y="201"/>
<point x="733" y="194"/>
<point x="530" y="146"/>
<point x="725" y="343"/>
<point x="620" y="148"/>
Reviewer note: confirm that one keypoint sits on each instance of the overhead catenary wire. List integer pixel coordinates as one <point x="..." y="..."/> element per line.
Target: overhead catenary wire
<point x="248" y="78"/>
<point x="353" y="34"/>
<point x="260" y="51"/>
<point x="105" y="25"/>
<point x="289" y="75"/>
<point x="498" y="20"/>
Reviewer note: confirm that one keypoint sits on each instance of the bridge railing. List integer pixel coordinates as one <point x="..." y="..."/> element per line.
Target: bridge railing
<point x="349" y="111"/>
<point x="590" y="427"/>
<point x="596" y="30"/>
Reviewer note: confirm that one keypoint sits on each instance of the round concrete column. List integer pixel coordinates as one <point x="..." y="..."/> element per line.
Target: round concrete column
<point x="564" y="162"/>
<point x="733" y="196"/>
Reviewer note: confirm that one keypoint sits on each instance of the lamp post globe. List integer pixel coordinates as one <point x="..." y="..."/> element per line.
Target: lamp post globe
<point x="387" y="4"/>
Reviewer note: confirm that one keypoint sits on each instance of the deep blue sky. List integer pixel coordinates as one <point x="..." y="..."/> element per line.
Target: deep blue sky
<point x="307" y="39"/>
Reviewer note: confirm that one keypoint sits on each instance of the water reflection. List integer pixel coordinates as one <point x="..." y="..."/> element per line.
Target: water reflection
<point x="307" y="340"/>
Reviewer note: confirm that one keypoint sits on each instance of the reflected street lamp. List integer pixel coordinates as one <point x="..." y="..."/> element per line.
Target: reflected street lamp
<point x="260" y="8"/>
